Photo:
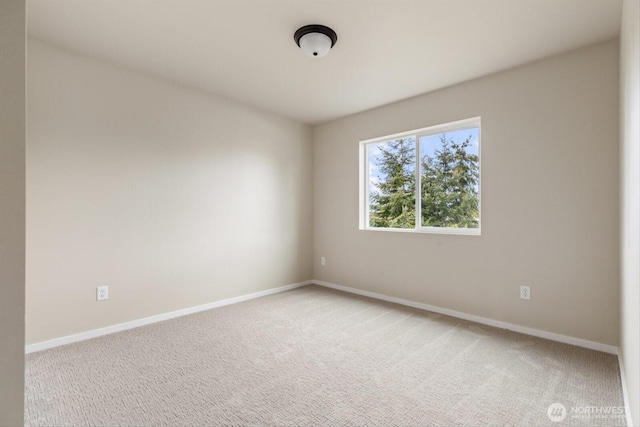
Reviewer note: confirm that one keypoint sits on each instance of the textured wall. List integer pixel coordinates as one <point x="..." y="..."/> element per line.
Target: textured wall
<point x="171" y="197"/>
<point x="12" y="208"/>
<point x="550" y="201"/>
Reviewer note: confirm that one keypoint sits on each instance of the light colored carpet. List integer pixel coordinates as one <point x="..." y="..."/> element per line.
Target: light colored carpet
<point x="314" y="356"/>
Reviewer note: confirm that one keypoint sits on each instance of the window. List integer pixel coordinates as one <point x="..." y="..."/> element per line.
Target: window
<point x="426" y="180"/>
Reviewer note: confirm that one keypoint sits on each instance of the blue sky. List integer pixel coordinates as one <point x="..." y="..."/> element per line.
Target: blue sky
<point x="429" y="144"/>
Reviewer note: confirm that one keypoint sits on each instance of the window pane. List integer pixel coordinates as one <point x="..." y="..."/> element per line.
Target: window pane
<point x="450" y="179"/>
<point x="391" y="186"/>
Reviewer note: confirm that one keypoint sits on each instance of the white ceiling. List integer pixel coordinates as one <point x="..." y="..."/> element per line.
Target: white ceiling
<point x="387" y="50"/>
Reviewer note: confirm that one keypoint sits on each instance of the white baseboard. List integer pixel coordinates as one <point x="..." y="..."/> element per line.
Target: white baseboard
<point x="478" y="319"/>
<point x="31" y="348"/>
<point x="453" y="313"/>
<point x="625" y="395"/>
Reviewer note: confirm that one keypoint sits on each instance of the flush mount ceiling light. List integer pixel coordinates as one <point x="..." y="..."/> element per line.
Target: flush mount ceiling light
<point x="315" y="40"/>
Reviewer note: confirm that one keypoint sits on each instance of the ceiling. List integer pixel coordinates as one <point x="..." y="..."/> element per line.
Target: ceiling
<point x="387" y="50"/>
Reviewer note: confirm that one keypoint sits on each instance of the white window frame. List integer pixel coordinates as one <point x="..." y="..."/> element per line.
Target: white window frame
<point x="418" y="133"/>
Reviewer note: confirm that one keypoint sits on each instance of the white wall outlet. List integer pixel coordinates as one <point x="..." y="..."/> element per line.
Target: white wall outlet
<point x="525" y="292"/>
<point x="323" y="261"/>
<point x="102" y="293"/>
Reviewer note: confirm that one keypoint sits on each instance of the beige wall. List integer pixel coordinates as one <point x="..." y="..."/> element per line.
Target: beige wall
<point x="630" y="194"/>
<point x="12" y="208"/>
<point x="549" y="200"/>
<point x="171" y="197"/>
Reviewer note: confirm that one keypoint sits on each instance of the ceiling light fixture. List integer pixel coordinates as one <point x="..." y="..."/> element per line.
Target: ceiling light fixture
<point x="315" y="40"/>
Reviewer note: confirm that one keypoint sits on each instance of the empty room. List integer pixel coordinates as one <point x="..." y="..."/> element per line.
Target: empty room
<point x="318" y="212"/>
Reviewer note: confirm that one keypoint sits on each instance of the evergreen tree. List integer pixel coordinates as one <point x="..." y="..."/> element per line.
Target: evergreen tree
<point x="393" y="205"/>
<point x="449" y="186"/>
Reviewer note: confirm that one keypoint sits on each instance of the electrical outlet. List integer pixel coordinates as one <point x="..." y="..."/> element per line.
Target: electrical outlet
<point x="102" y="293"/>
<point x="323" y="261"/>
<point x="525" y="292"/>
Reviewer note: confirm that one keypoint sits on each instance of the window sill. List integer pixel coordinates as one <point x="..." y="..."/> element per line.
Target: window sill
<point x="429" y="230"/>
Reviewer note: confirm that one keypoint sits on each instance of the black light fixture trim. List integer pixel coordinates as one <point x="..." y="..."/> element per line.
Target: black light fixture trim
<point x="315" y="28"/>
